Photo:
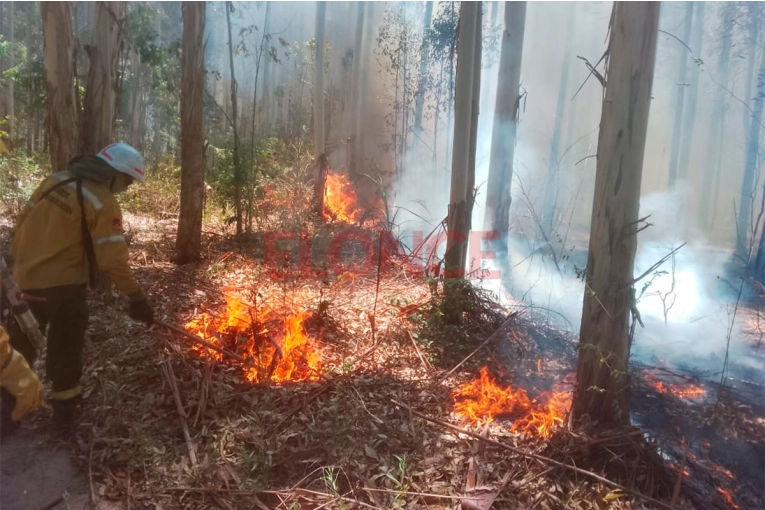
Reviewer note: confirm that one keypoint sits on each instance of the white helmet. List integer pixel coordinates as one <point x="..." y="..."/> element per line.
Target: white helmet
<point x="124" y="158"/>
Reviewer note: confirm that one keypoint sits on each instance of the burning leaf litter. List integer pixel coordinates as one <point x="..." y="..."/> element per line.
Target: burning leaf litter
<point x="278" y="348"/>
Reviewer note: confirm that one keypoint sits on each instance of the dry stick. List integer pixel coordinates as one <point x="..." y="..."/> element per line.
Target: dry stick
<point x="539" y="458"/>
<point x="167" y="368"/>
<point x="425" y="364"/>
<point x="491" y="337"/>
<point x="90" y="470"/>
<point x="200" y="341"/>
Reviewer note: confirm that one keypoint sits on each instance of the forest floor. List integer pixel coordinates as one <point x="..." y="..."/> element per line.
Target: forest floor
<point x="368" y="415"/>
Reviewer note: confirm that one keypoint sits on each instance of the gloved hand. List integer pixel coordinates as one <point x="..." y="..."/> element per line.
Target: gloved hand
<point x="23" y="384"/>
<point x="141" y="311"/>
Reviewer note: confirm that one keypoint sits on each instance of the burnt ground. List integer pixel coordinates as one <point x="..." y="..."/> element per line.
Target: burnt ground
<point x="348" y="438"/>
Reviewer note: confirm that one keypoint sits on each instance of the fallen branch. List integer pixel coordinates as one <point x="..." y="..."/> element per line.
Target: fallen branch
<point x="200" y="341"/>
<point x="483" y="344"/>
<point x="539" y="458"/>
<point x="167" y="368"/>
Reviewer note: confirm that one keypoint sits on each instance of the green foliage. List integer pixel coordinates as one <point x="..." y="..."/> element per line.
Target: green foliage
<point x="20" y="174"/>
<point x="455" y="321"/>
<point x="159" y="196"/>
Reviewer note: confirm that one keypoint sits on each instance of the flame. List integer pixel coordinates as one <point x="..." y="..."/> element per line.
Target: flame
<point x="340" y="199"/>
<point x="682" y="390"/>
<point x="483" y="400"/>
<point x="239" y="329"/>
<point x="728" y="497"/>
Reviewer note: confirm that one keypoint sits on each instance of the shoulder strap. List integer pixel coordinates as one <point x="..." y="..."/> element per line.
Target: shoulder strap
<point x="55" y="187"/>
<point x="87" y="240"/>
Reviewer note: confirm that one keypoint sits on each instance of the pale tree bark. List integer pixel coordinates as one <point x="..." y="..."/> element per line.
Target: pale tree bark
<point x="356" y="87"/>
<point x="460" y="194"/>
<point x="689" y="123"/>
<point x="10" y="106"/>
<point x="474" y="112"/>
<point x="137" y="108"/>
<point x="745" y="241"/>
<point x="552" y="186"/>
<point x="682" y="74"/>
<point x="189" y="240"/>
<point x="102" y="91"/>
<point x="238" y="178"/>
<point x="708" y="204"/>
<point x="363" y="91"/>
<point x="754" y="11"/>
<point x="318" y="82"/>
<point x="601" y="398"/>
<point x="58" y="49"/>
<point x="422" y="79"/>
<point x="503" y="135"/>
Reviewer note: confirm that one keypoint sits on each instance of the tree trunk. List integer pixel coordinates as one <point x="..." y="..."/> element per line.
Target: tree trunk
<point x="682" y="67"/>
<point x="356" y="88"/>
<point x="744" y="244"/>
<point x="318" y="82"/>
<point x="58" y="49"/>
<point x="552" y="186"/>
<point x="474" y="112"/>
<point x="708" y="203"/>
<point x="457" y="220"/>
<point x="503" y="136"/>
<point x="11" y="62"/>
<point x="689" y="122"/>
<point x="601" y="397"/>
<point x="102" y="92"/>
<point x="189" y="240"/>
<point x="419" y="103"/>
<point x="234" y="112"/>
<point x="754" y="29"/>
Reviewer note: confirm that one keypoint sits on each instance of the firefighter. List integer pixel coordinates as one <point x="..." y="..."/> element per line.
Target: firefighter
<point x="19" y="381"/>
<point x="69" y="231"/>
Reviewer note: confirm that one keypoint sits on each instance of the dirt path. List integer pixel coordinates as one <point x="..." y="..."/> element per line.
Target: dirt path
<point x="37" y="475"/>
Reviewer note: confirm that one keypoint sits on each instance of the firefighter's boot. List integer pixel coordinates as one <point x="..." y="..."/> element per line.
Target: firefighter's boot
<point x="66" y="414"/>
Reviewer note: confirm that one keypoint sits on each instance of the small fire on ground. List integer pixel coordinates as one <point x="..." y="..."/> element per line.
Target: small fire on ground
<point x="682" y="390"/>
<point x="483" y="400"/>
<point x="276" y="348"/>
<point x="340" y="199"/>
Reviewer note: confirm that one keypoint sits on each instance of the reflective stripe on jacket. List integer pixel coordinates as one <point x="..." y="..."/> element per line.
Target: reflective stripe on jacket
<point x="48" y="247"/>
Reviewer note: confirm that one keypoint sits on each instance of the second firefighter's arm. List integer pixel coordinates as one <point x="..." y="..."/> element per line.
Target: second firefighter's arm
<point x="111" y="250"/>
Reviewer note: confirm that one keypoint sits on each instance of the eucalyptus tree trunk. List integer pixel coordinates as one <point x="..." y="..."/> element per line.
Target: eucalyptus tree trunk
<point x="189" y="240"/>
<point x="102" y="91"/>
<point x="689" y="123"/>
<point x="353" y="111"/>
<point x="503" y="136"/>
<point x="10" y="105"/>
<point x="460" y="193"/>
<point x="234" y="112"/>
<point x="58" y="49"/>
<point x="682" y="72"/>
<point x="552" y="187"/>
<point x="754" y="12"/>
<point x="601" y="398"/>
<point x="708" y="203"/>
<point x="318" y="82"/>
<point x="422" y="79"/>
<point x="744" y="244"/>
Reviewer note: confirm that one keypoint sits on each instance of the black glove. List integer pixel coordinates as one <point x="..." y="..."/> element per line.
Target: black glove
<point x="141" y="311"/>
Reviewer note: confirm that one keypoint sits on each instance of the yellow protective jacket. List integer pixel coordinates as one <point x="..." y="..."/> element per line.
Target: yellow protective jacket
<point x="48" y="247"/>
<point x="18" y="379"/>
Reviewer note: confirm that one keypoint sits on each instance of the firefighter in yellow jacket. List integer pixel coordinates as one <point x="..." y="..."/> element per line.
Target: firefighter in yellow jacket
<point x="18" y="380"/>
<point x="69" y="230"/>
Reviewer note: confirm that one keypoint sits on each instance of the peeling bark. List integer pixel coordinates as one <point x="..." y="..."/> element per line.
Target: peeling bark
<point x="601" y="397"/>
<point x="189" y="239"/>
<point x="58" y="49"/>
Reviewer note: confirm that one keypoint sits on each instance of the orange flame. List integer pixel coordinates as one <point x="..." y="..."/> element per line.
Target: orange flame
<point x="483" y="400"/>
<point x="682" y="390"/>
<point x="340" y="200"/>
<point x="728" y="497"/>
<point x="298" y="357"/>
